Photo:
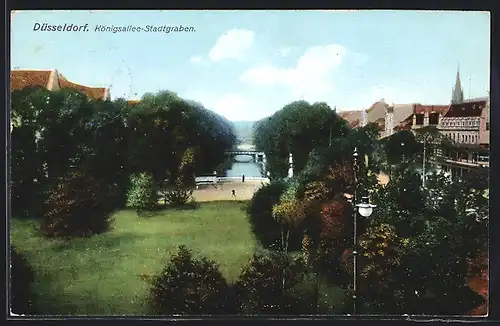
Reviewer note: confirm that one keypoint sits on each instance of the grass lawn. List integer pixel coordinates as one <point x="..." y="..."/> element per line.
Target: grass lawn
<point x="101" y="275"/>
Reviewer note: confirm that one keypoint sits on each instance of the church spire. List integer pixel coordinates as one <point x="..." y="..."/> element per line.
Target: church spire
<point x="458" y="94"/>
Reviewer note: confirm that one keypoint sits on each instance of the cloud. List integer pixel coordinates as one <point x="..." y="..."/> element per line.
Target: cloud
<point x="233" y="106"/>
<point x="233" y="44"/>
<point x="310" y="79"/>
<point x="196" y="59"/>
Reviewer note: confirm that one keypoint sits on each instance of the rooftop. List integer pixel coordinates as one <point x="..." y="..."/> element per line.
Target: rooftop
<point x="352" y="116"/>
<point x="20" y="79"/>
<point x="468" y="109"/>
<point x="422" y="108"/>
<point x="91" y="92"/>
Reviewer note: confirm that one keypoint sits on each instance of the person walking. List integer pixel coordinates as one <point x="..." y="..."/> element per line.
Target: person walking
<point x="243" y="178"/>
<point x="233" y="194"/>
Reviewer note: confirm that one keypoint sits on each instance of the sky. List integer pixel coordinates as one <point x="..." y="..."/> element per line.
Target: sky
<point x="245" y="65"/>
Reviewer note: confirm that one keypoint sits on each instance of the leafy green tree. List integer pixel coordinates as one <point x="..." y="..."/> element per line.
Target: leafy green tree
<point x="76" y="205"/>
<point x="380" y="252"/>
<point x="290" y="213"/>
<point x="298" y="128"/>
<point x="401" y="148"/>
<point x="266" y="285"/>
<point x="436" y="228"/>
<point x="188" y="285"/>
<point x="142" y="194"/>
<point x="265" y="227"/>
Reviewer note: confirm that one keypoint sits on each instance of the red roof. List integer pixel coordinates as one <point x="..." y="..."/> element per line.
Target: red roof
<point x="421" y="109"/>
<point x="20" y="79"/>
<point x="91" y="92"/>
<point x="462" y="110"/>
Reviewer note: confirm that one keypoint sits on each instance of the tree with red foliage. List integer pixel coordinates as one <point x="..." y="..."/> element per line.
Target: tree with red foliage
<point x="334" y="234"/>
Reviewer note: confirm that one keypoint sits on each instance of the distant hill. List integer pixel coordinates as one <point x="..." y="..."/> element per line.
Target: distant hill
<point x="244" y="130"/>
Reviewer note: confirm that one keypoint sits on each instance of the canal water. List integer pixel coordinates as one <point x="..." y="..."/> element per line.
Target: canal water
<point x="244" y="166"/>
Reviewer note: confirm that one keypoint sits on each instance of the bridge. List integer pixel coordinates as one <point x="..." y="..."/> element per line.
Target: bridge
<point x="256" y="155"/>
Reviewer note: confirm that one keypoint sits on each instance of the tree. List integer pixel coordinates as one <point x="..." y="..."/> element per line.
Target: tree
<point x="267" y="282"/>
<point x="289" y="213"/>
<point x="142" y="193"/>
<point x="188" y="285"/>
<point x="401" y="149"/>
<point x="436" y="230"/>
<point x="77" y="205"/>
<point x="335" y="235"/>
<point x="267" y="230"/>
<point x="380" y="254"/>
<point x="432" y="144"/>
<point x="297" y="128"/>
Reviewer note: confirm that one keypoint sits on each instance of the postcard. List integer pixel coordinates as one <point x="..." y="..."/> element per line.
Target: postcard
<point x="187" y="163"/>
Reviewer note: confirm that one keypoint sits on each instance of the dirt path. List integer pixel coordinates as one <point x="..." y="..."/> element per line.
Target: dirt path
<point x="243" y="191"/>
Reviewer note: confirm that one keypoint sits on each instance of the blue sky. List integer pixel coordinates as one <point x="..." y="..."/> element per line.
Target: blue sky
<point x="246" y="65"/>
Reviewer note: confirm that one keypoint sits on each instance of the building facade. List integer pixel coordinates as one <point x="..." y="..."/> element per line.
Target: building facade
<point x="467" y="126"/>
<point x="466" y="123"/>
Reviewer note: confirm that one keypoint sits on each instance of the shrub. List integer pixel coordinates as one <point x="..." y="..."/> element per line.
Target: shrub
<point x="266" y="229"/>
<point x="141" y="195"/>
<point x="179" y="195"/>
<point x="22" y="277"/>
<point x="270" y="284"/>
<point x="188" y="285"/>
<point x="77" y="205"/>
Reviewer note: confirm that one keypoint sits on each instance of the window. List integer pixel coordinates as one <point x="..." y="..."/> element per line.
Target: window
<point x="434" y="118"/>
<point x="419" y="119"/>
<point x="487" y="126"/>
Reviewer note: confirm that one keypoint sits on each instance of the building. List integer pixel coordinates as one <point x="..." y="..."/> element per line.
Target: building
<point x="466" y="123"/>
<point x="422" y="115"/>
<point x="52" y="80"/>
<point x="353" y="117"/>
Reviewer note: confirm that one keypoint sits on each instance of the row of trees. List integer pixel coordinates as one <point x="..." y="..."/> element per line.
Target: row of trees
<point x="57" y="133"/>
<point x="270" y="283"/>
<point x="306" y="130"/>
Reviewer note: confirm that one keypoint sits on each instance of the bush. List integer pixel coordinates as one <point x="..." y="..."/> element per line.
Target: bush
<point x="188" y="285"/>
<point x="142" y="194"/>
<point x="22" y="277"/>
<point x="77" y="205"/>
<point x="179" y="196"/>
<point x="270" y="284"/>
<point x="265" y="227"/>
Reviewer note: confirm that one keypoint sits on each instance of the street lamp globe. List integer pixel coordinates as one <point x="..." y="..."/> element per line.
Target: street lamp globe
<point x="365" y="210"/>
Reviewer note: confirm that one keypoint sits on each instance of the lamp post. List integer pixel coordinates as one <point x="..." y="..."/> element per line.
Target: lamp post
<point x="365" y="209"/>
